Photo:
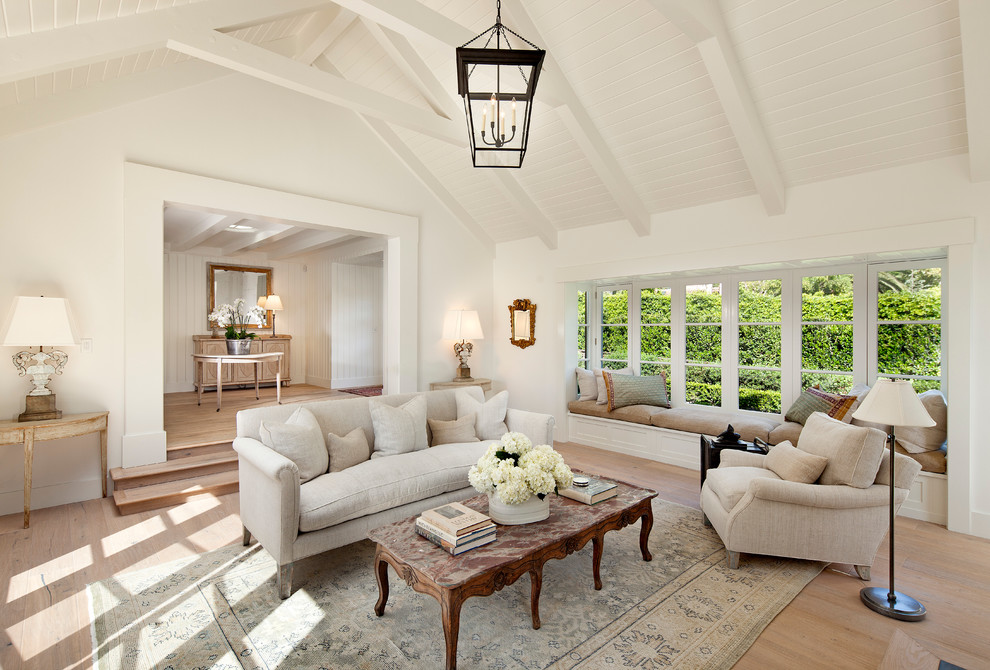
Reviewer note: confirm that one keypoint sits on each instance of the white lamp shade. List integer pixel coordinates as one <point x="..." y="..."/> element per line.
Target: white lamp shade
<point x="262" y="300"/>
<point x="273" y="303"/>
<point x="894" y="403"/>
<point x="462" y="324"/>
<point x="43" y="322"/>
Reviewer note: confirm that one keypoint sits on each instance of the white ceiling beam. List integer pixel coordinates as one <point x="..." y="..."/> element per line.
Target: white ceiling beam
<point x="319" y="43"/>
<point x="254" y="61"/>
<point x="306" y="242"/>
<point x="212" y="225"/>
<point x="702" y="22"/>
<point x="249" y="241"/>
<point x="283" y="233"/>
<point x="974" y="22"/>
<point x="584" y="130"/>
<point x="528" y="209"/>
<point x="412" y="19"/>
<point x="34" y="54"/>
<point x="355" y="248"/>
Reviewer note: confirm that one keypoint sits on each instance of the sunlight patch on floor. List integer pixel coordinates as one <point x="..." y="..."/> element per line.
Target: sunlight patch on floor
<point x="124" y="539"/>
<point x="182" y="513"/>
<point x="41" y="576"/>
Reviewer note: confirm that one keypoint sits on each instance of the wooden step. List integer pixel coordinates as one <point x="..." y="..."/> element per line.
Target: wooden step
<point x="173" y="470"/>
<point x="198" y="449"/>
<point x="156" y="496"/>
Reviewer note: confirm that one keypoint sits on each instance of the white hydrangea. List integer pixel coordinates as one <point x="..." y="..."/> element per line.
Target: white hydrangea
<point x="540" y="470"/>
<point x="516" y="443"/>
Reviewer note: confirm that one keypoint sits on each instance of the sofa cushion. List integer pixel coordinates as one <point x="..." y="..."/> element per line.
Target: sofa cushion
<point x="789" y="431"/>
<point x="489" y="423"/>
<point x="806" y="404"/>
<point x="384" y="483"/>
<point x="600" y="381"/>
<point x="300" y="440"/>
<point x="853" y="452"/>
<point x="915" y="439"/>
<point x="587" y="385"/>
<point x="795" y="465"/>
<point x="625" y="390"/>
<point x="731" y="484"/>
<point x="399" y="429"/>
<point x="712" y="422"/>
<point x="349" y="450"/>
<point x="633" y="413"/>
<point x="452" y="432"/>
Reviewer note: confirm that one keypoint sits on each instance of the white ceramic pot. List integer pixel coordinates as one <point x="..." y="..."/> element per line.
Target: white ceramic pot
<point x="532" y="510"/>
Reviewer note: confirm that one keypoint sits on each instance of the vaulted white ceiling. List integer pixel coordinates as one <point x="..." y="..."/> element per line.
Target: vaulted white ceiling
<point x="644" y="106"/>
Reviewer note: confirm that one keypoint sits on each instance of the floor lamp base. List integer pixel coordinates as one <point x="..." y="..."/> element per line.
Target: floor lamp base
<point x="904" y="607"/>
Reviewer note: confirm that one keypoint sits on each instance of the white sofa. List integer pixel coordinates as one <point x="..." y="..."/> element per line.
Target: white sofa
<point x="293" y="521"/>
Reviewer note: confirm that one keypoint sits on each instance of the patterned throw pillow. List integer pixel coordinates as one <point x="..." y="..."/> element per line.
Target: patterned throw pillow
<point x="806" y="405"/>
<point x="625" y="390"/>
<point x="841" y="404"/>
<point x="600" y="380"/>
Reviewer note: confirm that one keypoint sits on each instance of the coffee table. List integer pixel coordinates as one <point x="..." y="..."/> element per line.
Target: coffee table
<point x="516" y="551"/>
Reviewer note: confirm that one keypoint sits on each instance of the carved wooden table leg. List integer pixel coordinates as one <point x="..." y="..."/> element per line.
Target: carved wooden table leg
<point x="450" y="608"/>
<point x="644" y="532"/>
<point x="535" y="586"/>
<point x="381" y="574"/>
<point x="597" y="548"/>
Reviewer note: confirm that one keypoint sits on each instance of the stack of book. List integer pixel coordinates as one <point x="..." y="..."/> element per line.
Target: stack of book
<point x="593" y="491"/>
<point x="455" y="528"/>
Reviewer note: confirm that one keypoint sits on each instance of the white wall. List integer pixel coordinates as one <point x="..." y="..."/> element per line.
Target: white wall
<point x="186" y="297"/>
<point x="879" y="211"/>
<point x="63" y="227"/>
<point x="356" y="325"/>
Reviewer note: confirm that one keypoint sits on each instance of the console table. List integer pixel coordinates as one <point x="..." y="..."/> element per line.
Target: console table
<point x="72" y="425"/>
<point x="485" y="384"/>
<point x="257" y="360"/>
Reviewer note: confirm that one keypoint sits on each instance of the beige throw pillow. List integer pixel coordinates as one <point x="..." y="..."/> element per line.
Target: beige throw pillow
<point x="794" y="465"/>
<point x="853" y="452"/>
<point x="299" y="439"/>
<point x="587" y="386"/>
<point x="600" y="381"/>
<point x="489" y="423"/>
<point x="917" y="440"/>
<point x="348" y="450"/>
<point x="398" y="429"/>
<point x="453" y="432"/>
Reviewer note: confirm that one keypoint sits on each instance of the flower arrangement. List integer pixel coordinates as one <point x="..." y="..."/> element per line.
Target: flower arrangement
<point x="513" y="470"/>
<point x="234" y="319"/>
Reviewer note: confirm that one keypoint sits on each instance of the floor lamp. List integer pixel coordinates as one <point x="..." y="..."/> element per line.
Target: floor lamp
<point x="893" y="403"/>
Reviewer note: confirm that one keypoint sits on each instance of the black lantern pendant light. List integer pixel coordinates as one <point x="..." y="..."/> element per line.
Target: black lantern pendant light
<point x="498" y="86"/>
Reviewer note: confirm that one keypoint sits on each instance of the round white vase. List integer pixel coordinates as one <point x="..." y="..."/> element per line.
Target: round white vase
<point x="532" y="510"/>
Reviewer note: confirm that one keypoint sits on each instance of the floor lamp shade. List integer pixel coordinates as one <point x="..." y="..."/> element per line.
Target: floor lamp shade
<point x="893" y="403"/>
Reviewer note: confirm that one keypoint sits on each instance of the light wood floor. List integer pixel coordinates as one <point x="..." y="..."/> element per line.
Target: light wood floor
<point x="44" y="621"/>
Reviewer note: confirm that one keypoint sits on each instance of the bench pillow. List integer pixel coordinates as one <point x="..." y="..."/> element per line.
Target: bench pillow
<point x="600" y="381"/>
<point x="806" y="404"/>
<point x="453" y="432"/>
<point x="398" y="429"/>
<point x="587" y="385"/>
<point x="300" y="440"/>
<point x="916" y="440"/>
<point x="625" y="390"/>
<point x="841" y="404"/>
<point x="788" y="462"/>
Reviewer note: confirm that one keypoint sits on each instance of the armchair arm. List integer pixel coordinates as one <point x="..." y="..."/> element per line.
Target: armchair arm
<point x="534" y="425"/>
<point x="269" y="495"/>
<point x="733" y="458"/>
<point x="817" y="495"/>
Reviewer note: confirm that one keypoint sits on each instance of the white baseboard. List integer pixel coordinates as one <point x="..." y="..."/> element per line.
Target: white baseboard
<point x="980" y="524"/>
<point x="322" y="382"/>
<point x="12" y="502"/>
<point x="353" y="382"/>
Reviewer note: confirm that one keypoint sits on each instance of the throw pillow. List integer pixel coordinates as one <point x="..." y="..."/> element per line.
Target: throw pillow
<point x="300" y="440"/>
<point x="398" y="429"/>
<point x="600" y="381"/>
<point x="841" y="404"/>
<point x="625" y="390"/>
<point x="916" y="440"/>
<point x="348" y="450"/>
<point x="853" y="452"/>
<point x="587" y="386"/>
<point x="453" y="432"/>
<point x="794" y="465"/>
<point x="489" y="423"/>
<point x="805" y="405"/>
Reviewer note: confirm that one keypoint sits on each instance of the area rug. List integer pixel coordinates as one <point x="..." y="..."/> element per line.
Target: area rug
<point x="685" y="609"/>
<point x="366" y="391"/>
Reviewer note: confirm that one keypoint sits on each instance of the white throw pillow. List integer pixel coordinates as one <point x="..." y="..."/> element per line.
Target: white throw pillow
<point x="348" y="450"/>
<point x="399" y="429"/>
<point x="300" y="440"/>
<point x="600" y="380"/>
<point x="587" y="386"/>
<point x="489" y="423"/>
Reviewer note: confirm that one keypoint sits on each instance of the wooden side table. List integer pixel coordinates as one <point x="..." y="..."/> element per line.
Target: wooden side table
<point x="485" y="384"/>
<point x="73" y="425"/>
<point x="711" y="453"/>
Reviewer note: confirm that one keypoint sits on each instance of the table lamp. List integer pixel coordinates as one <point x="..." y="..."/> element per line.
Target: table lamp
<point x="893" y="403"/>
<point x="463" y="325"/>
<point x="46" y="322"/>
<point x="273" y="304"/>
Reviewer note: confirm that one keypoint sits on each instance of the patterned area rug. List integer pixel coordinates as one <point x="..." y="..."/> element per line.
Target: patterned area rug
<point x="684" y="609"/>
<point x="364" y="390"/>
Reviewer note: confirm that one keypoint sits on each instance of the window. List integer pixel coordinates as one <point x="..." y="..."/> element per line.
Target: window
<point x="615" y="329"/>
<point x="654" y="332"/>
<point x="582" y="329"/>
<point x="827" y="332"/>
<point x="703" y="344"/>
<point x="759" y="331"/>
<point x="909" y="326"/>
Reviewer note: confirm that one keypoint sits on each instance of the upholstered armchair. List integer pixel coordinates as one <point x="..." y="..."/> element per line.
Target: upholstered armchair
<point x="826" y="499"/>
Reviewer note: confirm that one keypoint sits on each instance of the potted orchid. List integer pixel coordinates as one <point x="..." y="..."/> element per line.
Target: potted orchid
<point x="235" y="319"/>
<point x="517" y="477"/>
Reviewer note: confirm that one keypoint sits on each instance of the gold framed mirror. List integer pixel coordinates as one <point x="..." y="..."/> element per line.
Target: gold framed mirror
<point x="522" y="323"/>
<point x="227" y="283"/>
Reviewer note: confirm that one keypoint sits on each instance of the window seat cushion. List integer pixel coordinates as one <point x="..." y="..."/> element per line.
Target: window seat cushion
<point x="931" y="461"/>
<point x="712" y="422"/>
<point x="633" y="413"/>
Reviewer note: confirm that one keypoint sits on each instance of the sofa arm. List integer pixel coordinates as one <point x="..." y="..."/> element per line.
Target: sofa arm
<point x="534" y="425"/>
<point x="269" y="496"/>
<point x="818" y="495"/>
<point x="733" y="458"/>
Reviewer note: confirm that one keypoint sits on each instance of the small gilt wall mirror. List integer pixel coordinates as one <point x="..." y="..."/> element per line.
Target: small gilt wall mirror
<point x="226" y="283"/>
<point x="522" y="323"/>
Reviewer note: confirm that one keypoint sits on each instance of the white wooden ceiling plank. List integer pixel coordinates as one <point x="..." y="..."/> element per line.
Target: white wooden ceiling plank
<point x="112" y="69"/>
<point x="642" y="154"/>
<point x="42" y="16"/>
<point x="698" y="100"/>
<point x="63" y="81"/>
<point x="715" y="159"/>
<point x="141" y="64"/>
<point x="65" y="13"/>
<point x="250" y="241"/>
<point x="323" y="39"/>
<point x="974" y="17"/>
<point x="128" y="7"/>
<point x="128" y="64"/>
<point x="94" y="74"/>
<point x="108" y="10"/>
<point x="257" y="62"/>
<point x="662" y="84"/>
<point x="642" y="51"/>
<point x="525" y="206"/>
<point x="730" y="175"/>
<point x="88" y="11"/>
<point x="17" y="18"/>
<point x="943" y="146"/>
<point x="199" y="234"/>
<point x="44" y="86"/>
<point x="8" y="94"/>
<point x="694" y="199"/>
<point x="30" y="55"/>
<point x="760" y="25"/>
<point x="411" y="19"/>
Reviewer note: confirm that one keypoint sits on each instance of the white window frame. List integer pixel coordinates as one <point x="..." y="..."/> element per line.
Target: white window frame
<point x="785" y="334"/>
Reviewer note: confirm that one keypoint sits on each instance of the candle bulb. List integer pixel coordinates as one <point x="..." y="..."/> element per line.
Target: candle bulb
<point x="502" y="124"/>
<point x="513" y="112"/>
<point x="493" y="109"/>
<point x="484" y="117"/>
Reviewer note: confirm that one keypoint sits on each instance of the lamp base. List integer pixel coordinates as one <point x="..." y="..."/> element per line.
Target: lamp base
<point x="40" y="408"/>
<point x="904" y="607"/>
<point x="464" y="374"/>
